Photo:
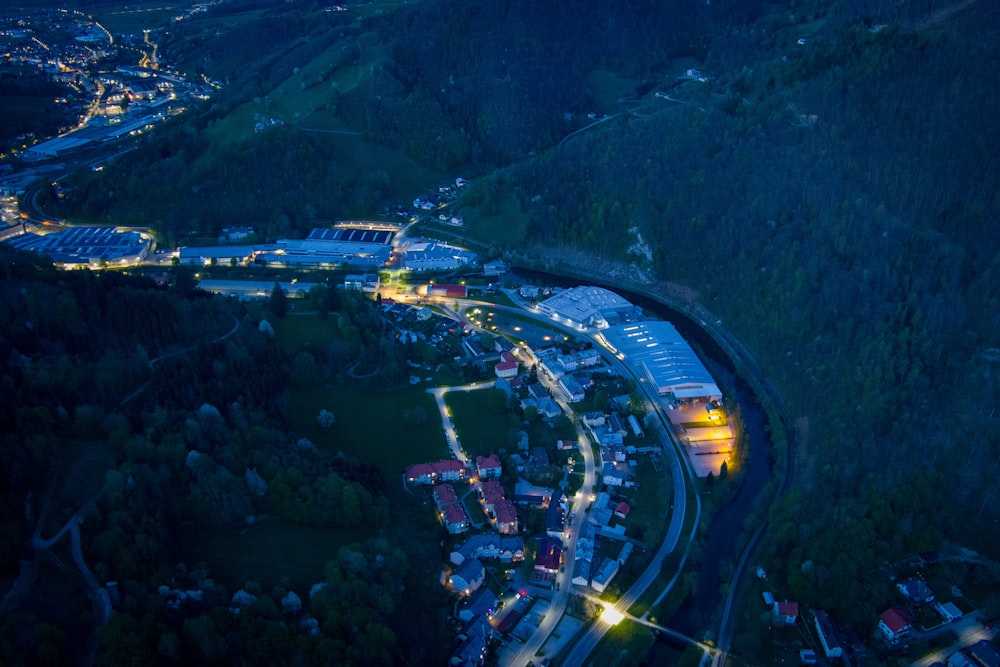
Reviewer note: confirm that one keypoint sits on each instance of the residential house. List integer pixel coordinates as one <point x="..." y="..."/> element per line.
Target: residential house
<point x="827" y="633"/>
<point x="448" y="470"/>
<point x="482" y="602"/>
<point x="624" y="554"/>
<point x="492" y="493"/>
<point x="605" y="573"/>
<point x="555" y="516"/>
<point x="581" y="572"/>
<point x="467" y="577"/>
<point x="506" y="517"/>
<point x="948" y="611"/>
<point x="549" y="557"/>
<point x="420" y="473"/>
<point x="895" y="624"/>
<point x="488" y="466"/>
<point x="615" y="474"/>
<point x="786" y="613"/>
<point x="489" y="546"/>
<point x="622" y="509"/>
<point x="454" y="519"/>
<point x="984" y="653"/>
<point x="444" y="494"/>
<point x="548" y="408"/>
<point x="916" y="591"/>
<point x="507" y="366"/>
<point x="616" y="424"/>
<point x="538" y="391"/>
<point x="564" y="445"/>
<point x="474" y="650"/>
<point x="581" y="359"/>
<point x="593" y="419"/>
<point x="572" y="388"/>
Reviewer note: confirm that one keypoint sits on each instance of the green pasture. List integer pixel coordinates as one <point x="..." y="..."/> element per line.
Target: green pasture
<point x="371" y="425"/>
<point x="481" y="429"/>
<point x="295" y="331"/>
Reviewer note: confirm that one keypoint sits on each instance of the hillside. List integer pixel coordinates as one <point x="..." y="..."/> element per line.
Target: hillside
<point x="820" y="175"/>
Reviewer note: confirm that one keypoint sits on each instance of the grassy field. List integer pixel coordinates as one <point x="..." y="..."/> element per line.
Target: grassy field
<point x="268" y="552"/>
<point x="481" y="430"/>
<point x="371" y="427"/>
<point x="294" y="331"/>
<point x="627" y="643"/>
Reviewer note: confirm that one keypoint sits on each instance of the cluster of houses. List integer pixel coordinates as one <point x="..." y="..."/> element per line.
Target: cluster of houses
<point x="896" y="626"/>
<point x="561" y="368"/>
<point x="498" y="508"/>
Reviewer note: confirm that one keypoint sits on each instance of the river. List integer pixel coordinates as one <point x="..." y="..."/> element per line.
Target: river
<point x="719" y="544"/>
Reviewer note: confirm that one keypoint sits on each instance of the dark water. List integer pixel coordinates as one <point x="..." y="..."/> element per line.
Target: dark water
<point x="727" y="525"/>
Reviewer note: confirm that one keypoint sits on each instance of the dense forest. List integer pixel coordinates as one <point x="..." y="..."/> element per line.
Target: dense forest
<point x="820" y="175"/>
<point x="141" y="410"/>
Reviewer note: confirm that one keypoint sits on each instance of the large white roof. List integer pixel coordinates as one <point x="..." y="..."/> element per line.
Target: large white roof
<point x="583" y="305"/>
<point x="666" y="358"/>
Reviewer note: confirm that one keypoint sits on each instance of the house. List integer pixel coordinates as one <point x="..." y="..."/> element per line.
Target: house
<point x="489" y="546"/>
<point x="593" y="419"/>
<point x="895" y="624"/>
<point x="444" y="494"/>
<point x="494" y="267"/>
<point x="563" y="445"/>
<point x="572" y="388"/>
<point x="555" y="516"/>
<point x="605" y="573"/>
<point x="624" y="554"/>
<point x="787" y="613"/>
<point x="827" y="634"/>
<point x="454" y="519"/>
<point x="616" y="424"/>
<point x="468" y="577"/>
<point x="474" y="650"/>
<point x="507" y="366"/>
<point x="949" y="611"/>
<point x="622" y="509"/>
<point x="448" y="470"/>
<point x="581" y="572"/>
<point x="548" y="408"/>
<point x="482" y="602"/>
<point x="916" y="591"/>
<point x="492" y="493"/>
<point x="984" y="653"/>
<point x="549" y="557"/>
<point x="420" y="473"/>
<point x="488" y="466"/>
<point x="506" y="517"/>
<point x="615" y="474"/>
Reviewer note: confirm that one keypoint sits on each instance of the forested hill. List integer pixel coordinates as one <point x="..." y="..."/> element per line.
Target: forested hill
<point x="821" y="175"/>
<point x="830" y="195"/>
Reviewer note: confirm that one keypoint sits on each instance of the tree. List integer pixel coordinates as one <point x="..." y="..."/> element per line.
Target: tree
<point x="278" y="302"/>
<point x="326" y="418"/>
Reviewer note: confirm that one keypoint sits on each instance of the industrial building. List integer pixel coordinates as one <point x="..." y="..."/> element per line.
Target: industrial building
<point x="666" y="359"/>
<point x="81" y="247"/>
<point x="589" y="307"/>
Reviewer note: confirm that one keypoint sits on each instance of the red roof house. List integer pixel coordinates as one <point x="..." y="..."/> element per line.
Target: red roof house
<point x="895" y="624"/>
